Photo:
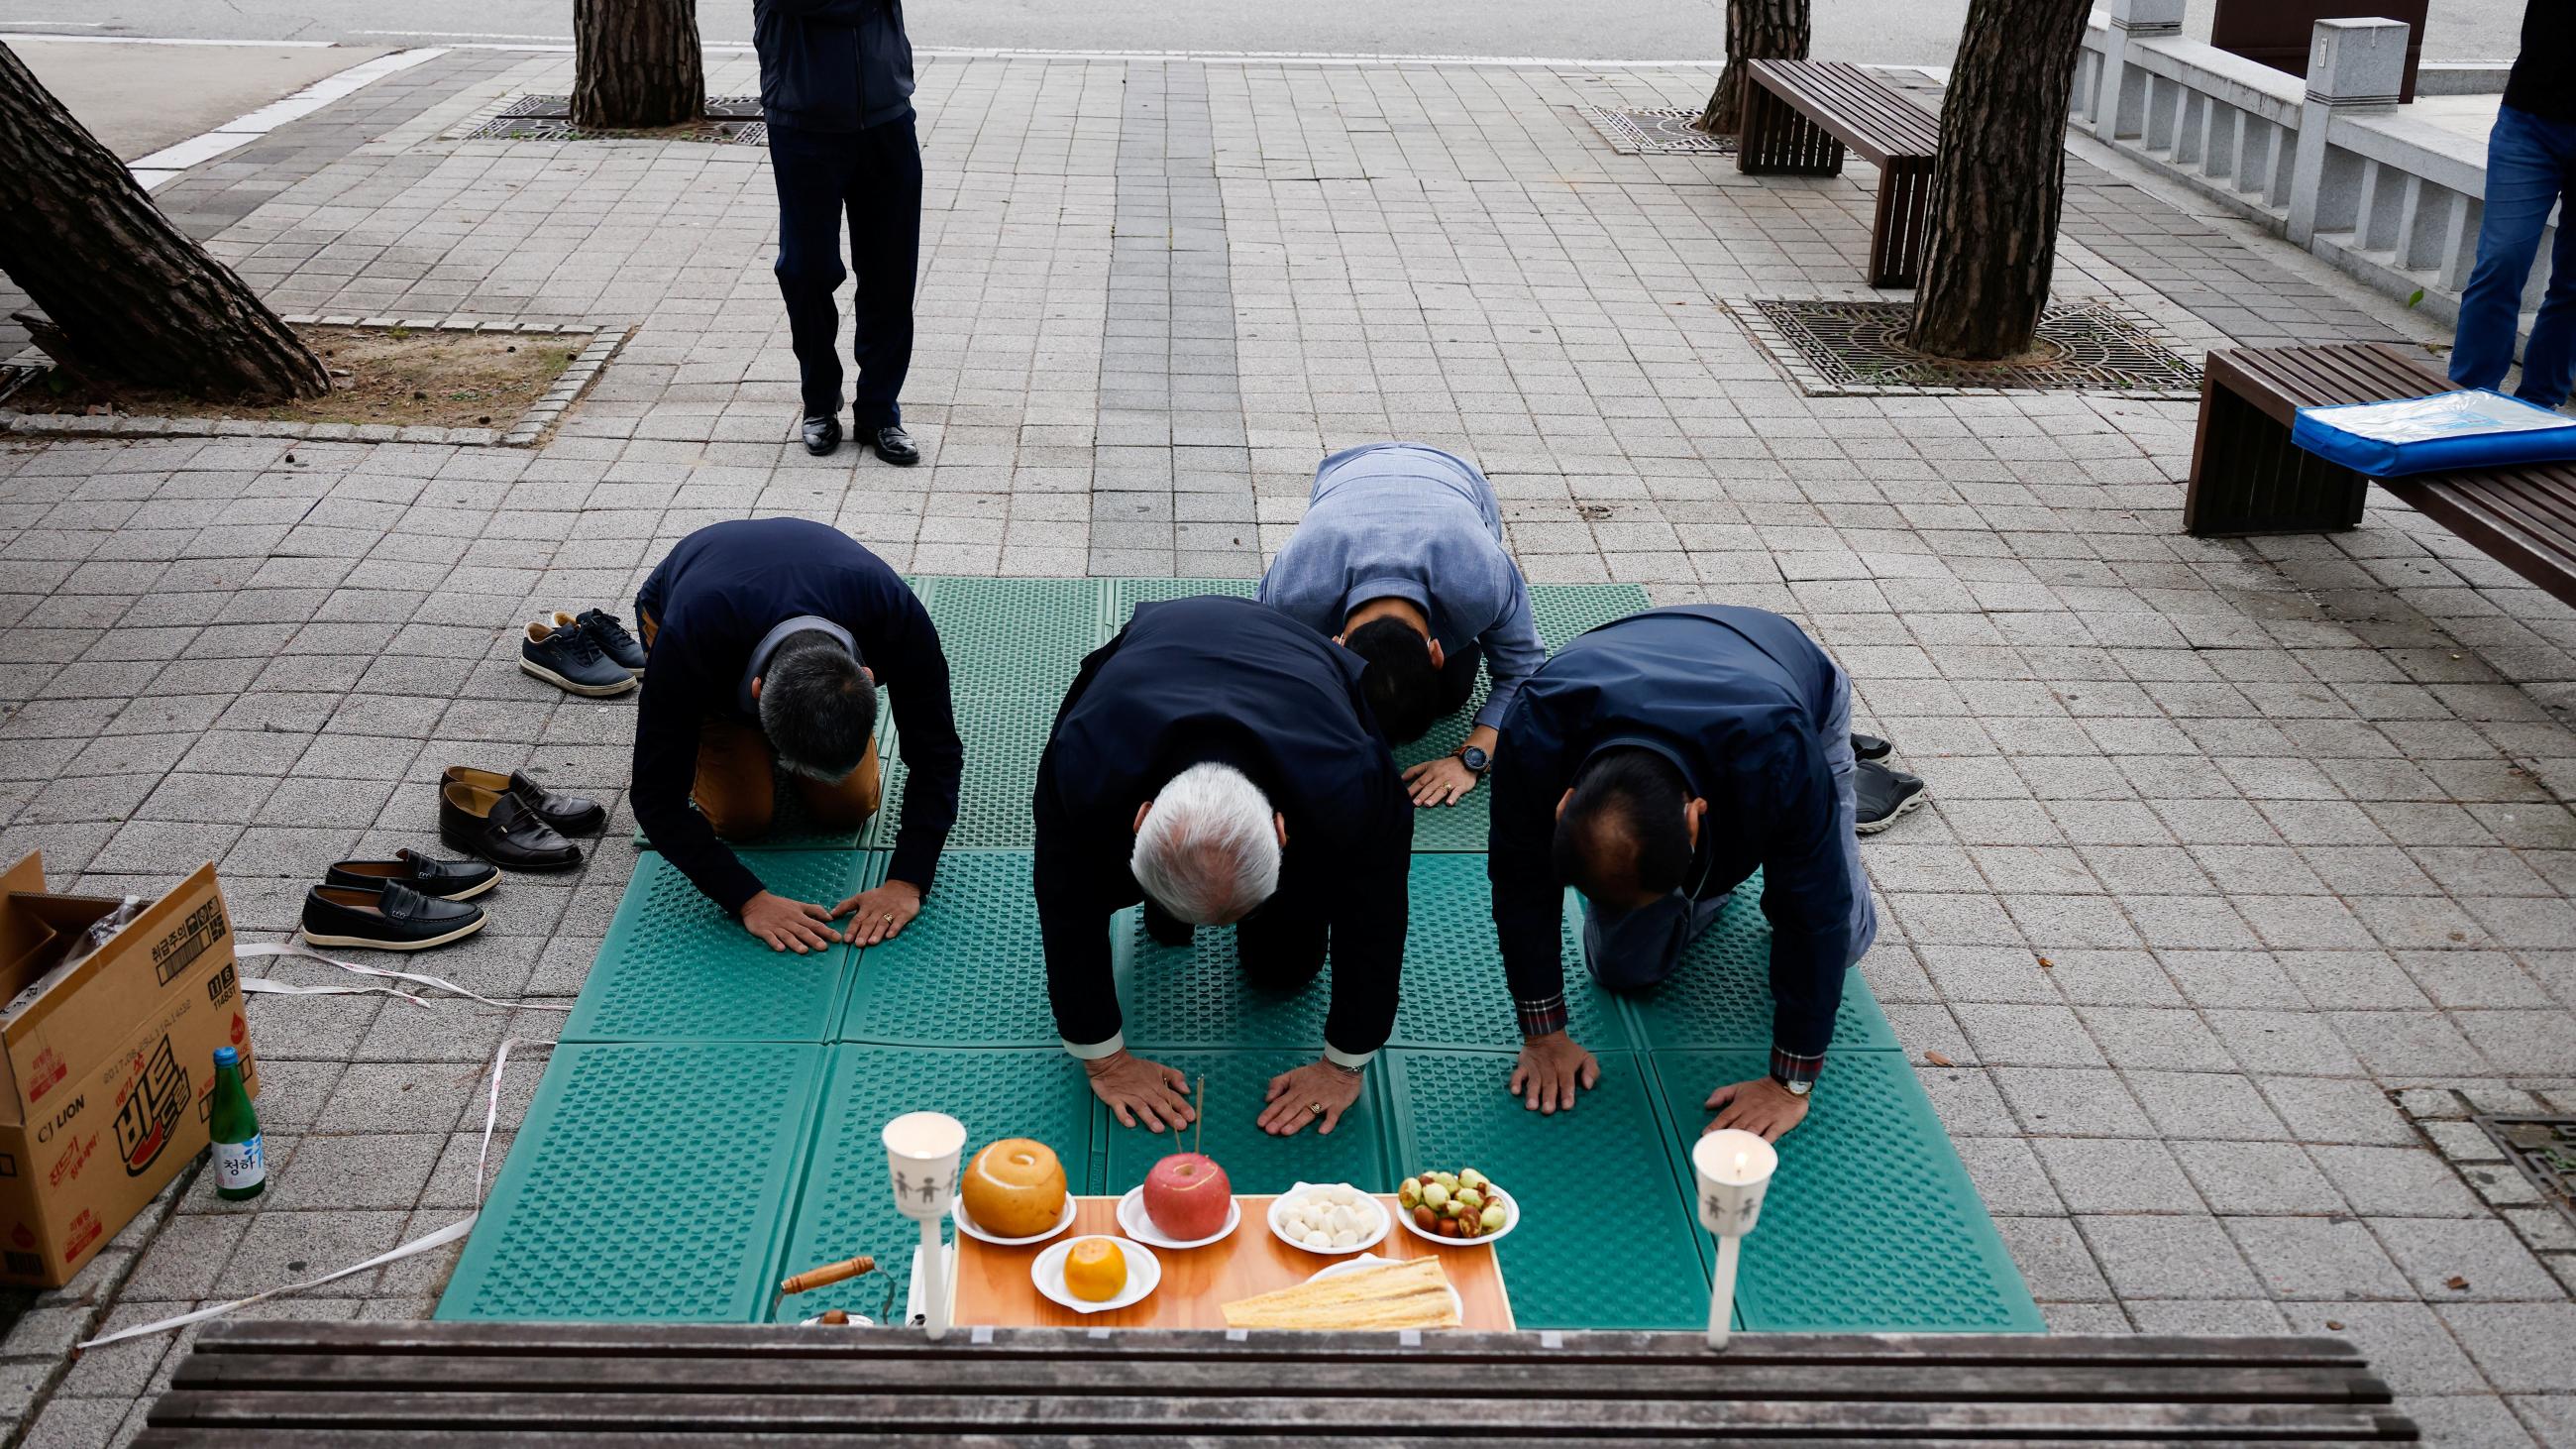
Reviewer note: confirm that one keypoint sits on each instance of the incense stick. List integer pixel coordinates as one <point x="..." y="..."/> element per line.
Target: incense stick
<point x="1198" y="1129"/>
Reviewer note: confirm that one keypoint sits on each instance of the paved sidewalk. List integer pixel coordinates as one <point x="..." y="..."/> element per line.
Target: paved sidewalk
<point x="2242" y="855"/>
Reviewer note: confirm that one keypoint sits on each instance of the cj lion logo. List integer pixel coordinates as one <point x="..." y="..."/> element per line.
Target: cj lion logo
<point x="149" y="1115"/>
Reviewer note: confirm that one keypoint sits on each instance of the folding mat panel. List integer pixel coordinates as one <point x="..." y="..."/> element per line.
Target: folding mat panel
<point x="650" y="1183"/>
<point x="1607" y="1238"/>
<point x="1238" y="1084"/>
<point x="1196" y="995"/>
<point x="848" y="1202"/>
<point x="1016" y="633"/>
<point x="1126" y="594"/>
<point x="1871" y="1224"/>
<point x="1454" y="993"/>
<point x="677" y="967"/>
<point x="1004" y="729"/>
<point x="970" y="971"/>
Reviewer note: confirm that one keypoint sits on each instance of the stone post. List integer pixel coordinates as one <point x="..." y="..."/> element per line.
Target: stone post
<point x="2353" y="66"/>
<point x="2122" y="108"/>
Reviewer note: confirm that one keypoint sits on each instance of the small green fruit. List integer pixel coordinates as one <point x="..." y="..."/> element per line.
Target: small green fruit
<point x="1494" y="1218"/>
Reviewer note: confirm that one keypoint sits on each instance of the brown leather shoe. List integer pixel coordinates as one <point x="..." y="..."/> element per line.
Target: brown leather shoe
<point x="568" y="814"/>
<point x="499" y="827"/>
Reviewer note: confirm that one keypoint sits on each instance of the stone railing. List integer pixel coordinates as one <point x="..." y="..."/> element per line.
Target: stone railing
<point x="2331" y="162"/>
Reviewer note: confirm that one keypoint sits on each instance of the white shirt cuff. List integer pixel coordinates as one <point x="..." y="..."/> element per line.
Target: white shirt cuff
<point x="1095" y="1051"/>
<point x="1354" y="1061"/>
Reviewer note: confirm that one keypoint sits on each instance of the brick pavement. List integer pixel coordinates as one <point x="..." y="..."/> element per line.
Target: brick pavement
<point x="2288" y="820"/>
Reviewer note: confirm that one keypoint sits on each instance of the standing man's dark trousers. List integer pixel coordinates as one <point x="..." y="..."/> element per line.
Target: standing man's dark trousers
<point x="874" y="177"/>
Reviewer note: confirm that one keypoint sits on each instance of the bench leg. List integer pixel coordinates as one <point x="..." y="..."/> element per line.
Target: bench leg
<point x="1777" y="141"/>
<point x="2247" y="478"/>
<point x="1896" y="237"/>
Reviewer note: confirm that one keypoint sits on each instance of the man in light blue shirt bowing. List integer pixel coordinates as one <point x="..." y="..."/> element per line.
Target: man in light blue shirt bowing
<point x="1400" y="559"/>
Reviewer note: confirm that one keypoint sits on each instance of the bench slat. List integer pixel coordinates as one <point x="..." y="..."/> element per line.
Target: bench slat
<point x="1862" y="111"/>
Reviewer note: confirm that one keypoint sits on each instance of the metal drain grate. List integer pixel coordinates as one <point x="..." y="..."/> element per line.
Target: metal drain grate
<point x="2545" y="1149"/>
<point x="1858" y="349"/>
<point x="1656" y="131"/>
<point x="734" y="120"/>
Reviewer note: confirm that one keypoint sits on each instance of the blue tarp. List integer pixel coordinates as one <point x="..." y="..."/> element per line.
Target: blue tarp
<point x="2469" y="429"/>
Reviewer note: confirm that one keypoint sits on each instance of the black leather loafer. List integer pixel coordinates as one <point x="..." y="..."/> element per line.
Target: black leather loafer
<point x="822" y="435"/>
<point x="497" y="826"/>
<point x="567" y="814"/>
<point x="447" y="880"/>
<point x="391" y="918"/>
<point x="895" y="446"/>
<point x="1871" y="747"/>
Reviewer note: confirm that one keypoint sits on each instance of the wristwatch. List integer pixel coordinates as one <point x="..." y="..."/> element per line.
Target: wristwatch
<point x="1797" y="1089"/>
<point x="1476" y="760"/>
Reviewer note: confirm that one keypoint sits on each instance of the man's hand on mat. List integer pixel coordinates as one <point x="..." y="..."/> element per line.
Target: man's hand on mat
<point x="1134" y="1087"/>
<point x="1294" y="1096"/>
<point x="1439" y="782"/>
<point x="789" y="925"/>
<point x="1549" y="1069"/>
<point x="1761" y="1105"/>
<point x="879" y="914"/>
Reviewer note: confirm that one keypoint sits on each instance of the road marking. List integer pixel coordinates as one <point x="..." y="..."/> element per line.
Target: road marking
<point x="170" y="162"/>
<point x="465" y="40"/>
<point x="159" y="39"/>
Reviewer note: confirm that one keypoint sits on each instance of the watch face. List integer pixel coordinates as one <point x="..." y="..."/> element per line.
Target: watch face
<point x="1799" y="1089"/>
<point x="1473" y="758"/>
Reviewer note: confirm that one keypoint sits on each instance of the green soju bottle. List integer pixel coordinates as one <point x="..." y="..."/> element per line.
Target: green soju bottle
<point x="241" y="1168"/>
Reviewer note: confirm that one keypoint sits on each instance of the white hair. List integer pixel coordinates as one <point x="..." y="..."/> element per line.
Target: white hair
<point x="1208" y="851"/>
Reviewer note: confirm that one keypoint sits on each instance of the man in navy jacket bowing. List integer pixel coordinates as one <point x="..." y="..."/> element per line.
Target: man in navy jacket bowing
<point x="1218" y="761"/>
<point x="1654" y="764"/>
<point x="766" y="640"/>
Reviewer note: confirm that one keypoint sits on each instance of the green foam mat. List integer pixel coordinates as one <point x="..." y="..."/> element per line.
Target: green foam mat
<point x="1196" y="995"/>
<point x="1721" y="995"/>
<point x="1238" y="1084"/>
<point x="969" y="971"/>
<point x="1004" y="731"/>
<point x="848" y="1202"/>
<point x="677" y="967"/>
<point x="1126" y="594"/>
<point x="1871" y="1224"/>
<point x="1607" y="1237"/>
<point x="1562" y="611"/>
<point x="1030" y="633"/>
<point x="648" y="1184"/>
<point x="1454" y="992"/>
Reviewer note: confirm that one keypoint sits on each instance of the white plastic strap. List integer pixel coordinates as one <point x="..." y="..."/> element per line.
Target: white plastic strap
<point x="298" y="949"/>
<point x="422" y="1244"/>
<point x="262" y="986"/>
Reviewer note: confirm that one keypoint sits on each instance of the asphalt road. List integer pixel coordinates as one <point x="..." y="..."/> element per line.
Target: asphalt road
<point x="1916" y="32"/>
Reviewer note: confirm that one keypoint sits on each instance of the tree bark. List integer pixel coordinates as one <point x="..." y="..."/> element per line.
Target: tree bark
<point x="127" y="296"/>
<point x="1755" y="30"/>
<point x="636" y="64"/>
<point x="1990" y="242"/>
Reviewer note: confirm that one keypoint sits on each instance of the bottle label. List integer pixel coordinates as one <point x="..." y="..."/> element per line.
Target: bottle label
<point x="240" y="1164"/>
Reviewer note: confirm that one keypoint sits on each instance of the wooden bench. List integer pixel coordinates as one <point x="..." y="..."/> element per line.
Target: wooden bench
<point x="1799" y="115"/>
<point x="2247" y="478"/>
<point x="296" y="1385"/>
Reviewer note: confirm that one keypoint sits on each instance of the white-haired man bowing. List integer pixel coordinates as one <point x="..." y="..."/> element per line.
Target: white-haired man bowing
<point x="1218" y="762"/>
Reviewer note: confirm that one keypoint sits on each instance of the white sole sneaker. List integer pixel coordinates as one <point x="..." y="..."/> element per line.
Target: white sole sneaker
<point x="570" y="686"/>
<point x="371" y="944"/>
<point x="1905" y="807"/>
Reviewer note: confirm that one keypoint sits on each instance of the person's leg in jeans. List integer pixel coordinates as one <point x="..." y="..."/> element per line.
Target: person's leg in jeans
<point x="2529" y="163"/>
<point x="812" y="173"/>
<point x="884" y="200"/>
<point x="2549" y="358"/>
<point x="1840" y="759"/>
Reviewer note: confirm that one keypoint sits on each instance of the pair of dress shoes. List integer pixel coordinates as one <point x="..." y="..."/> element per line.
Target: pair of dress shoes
<point x="894" y="445"/>
<point x="512" y="821"/>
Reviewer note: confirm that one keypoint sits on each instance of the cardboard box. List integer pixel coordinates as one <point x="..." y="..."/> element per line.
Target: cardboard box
<point x="106" y="1074"/>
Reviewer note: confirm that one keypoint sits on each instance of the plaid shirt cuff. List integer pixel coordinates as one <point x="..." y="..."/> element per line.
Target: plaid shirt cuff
<point x="1788" y="1066"/>
<point x="1540" y="1018"/>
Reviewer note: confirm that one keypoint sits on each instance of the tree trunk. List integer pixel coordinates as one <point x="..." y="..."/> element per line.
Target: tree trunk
<point x="636" y="64"/>
<point x="127" y="296"/>
<point x="1990" y="242"/>
<point x="1755" y="30"/>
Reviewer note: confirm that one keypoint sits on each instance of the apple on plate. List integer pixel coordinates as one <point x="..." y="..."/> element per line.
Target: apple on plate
<point x="1187" y="1196"/>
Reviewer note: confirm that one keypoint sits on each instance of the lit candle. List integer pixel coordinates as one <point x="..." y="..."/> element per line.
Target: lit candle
<point x="1734" y="1170"/>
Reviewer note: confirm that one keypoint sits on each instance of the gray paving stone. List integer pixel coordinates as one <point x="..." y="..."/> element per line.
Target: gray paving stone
<point x="2330" y="1259"/>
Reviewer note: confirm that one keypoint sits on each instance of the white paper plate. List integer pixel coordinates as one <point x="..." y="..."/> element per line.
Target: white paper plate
<point x="1140" y="1224"/>
<point x="968" y="1226"/>
<point x="1511" y="1220"/>
<point x="1368" y="1240"/>
<point x="1144" y="1275"/>
<point x="1372" y="1260"/>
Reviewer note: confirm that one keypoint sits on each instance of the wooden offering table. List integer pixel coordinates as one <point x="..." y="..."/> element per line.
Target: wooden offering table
<point x="994" y="1287"/>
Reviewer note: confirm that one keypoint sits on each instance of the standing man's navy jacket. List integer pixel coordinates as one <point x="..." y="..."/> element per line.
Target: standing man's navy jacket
<point x="712" y="601"/>
<point x="1734" y="698"/>
<point x="832" y="65"/>
<point x="1223" y="681"/>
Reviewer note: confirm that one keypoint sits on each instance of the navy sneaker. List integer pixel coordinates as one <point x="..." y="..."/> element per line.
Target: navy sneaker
<point x="608" y="632"/>
<point x="569" y="659"/>
<point x="1880" y="794"/>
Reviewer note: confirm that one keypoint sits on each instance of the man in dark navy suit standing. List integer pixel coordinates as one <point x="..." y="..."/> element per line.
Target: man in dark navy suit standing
<point x="836" y="88"/>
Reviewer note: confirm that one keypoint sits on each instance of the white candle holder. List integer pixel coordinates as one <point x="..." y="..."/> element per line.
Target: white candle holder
<point x="922" y="1149"/>
<point x="1734" y="1169"/>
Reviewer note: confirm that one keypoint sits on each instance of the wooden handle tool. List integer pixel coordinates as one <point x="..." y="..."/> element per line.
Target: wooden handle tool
<point x="825" y="1277"/>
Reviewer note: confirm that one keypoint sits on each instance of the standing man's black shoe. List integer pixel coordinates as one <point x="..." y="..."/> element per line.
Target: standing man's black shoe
<point x="499" y="827"/>
<point x="896" y="447"/>
<point x="822" y="435"/>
